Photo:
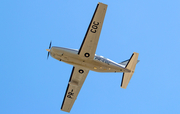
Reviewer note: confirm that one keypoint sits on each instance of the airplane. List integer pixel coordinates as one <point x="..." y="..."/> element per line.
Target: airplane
<point x="85" y="59"/>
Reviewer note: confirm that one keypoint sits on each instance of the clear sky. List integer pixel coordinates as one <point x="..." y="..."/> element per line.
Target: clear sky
<point x="31" y="84"/>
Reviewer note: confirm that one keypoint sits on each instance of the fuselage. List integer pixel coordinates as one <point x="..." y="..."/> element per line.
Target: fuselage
<point x="98" y="64"/>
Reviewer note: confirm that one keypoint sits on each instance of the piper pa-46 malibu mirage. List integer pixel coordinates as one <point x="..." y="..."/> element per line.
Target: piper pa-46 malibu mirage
<point x="85" y="59"/>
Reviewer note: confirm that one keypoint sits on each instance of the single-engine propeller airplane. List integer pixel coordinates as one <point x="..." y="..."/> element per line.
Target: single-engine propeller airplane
<point x="85" y="59"/>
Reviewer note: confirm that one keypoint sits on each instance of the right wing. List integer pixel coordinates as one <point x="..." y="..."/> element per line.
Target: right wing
<point x="76" y="81"/>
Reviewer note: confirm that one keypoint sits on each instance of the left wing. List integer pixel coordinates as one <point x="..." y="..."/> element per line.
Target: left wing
<point x="76" y="81"/>
<point x="89" y="44"/>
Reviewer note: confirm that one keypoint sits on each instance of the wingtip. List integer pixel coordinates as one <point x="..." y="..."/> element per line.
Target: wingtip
<point x="102" y="3"/>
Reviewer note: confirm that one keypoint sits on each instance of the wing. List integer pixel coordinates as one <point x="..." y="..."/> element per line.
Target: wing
<point x="89" y="44"/>
<point x="76" y="81"/>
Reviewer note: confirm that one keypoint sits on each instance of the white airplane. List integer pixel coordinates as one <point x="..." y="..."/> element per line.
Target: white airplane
<point x="85" y="59"/>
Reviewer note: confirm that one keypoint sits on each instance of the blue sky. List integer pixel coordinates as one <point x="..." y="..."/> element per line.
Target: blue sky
<point x="31" y="84"/>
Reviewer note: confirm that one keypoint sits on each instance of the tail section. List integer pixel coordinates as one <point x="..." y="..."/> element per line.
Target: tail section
<point x="124" y="63"/>
<point x="131" y="65"/>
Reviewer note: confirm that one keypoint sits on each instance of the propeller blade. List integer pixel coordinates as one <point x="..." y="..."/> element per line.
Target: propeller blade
<point x="50" y="45"/>
<point x="48" y="55"/>
<point x="49" y="49"/>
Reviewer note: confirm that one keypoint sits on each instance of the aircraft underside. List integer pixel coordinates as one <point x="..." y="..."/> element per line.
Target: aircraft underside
<point x="74" y="59"/>
<point x="85" y="59"/>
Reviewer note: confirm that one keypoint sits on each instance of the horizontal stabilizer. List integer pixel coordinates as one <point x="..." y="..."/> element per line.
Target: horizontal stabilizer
<point x="130" y="66"/>
<point x="124" y="63"/>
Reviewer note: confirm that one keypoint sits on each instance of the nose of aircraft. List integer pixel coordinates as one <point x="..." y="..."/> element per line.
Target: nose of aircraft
<point x="48" y="50"/>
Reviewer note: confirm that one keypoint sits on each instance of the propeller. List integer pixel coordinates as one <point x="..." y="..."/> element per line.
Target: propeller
<point x="49" y="50"/>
